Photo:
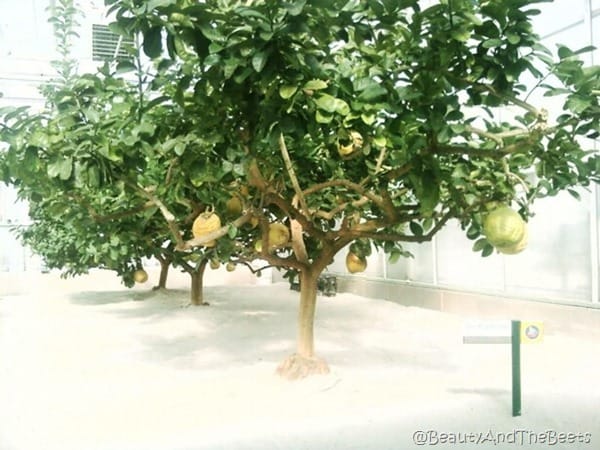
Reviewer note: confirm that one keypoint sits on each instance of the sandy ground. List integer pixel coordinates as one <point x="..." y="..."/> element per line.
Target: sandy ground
<point x="86" y="364"/>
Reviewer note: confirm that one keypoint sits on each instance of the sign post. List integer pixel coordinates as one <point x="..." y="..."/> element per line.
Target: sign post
<point x="512" y="332"/>
<point x="516" y="367"/>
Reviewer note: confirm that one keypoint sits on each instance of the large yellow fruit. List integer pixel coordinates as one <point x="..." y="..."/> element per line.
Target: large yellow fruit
<point x="206" y="223"/>
<point x="357" y="139"/>
<point x="503" y="227"/>
<point x="234" y="206"/>
<point x="355" y="263"/>
<point x="279" y="234"/>
<point x="140" y="276"/>
<point x="230" y="267"/>
<point x="355" y="143"/>
<point x="515" y="248"/>
<point x="345" y="150"/>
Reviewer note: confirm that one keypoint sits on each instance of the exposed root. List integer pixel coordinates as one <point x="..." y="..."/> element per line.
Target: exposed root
<point x="188" y="304"/>
<point x="295" y="367"/>
<point x="159" y="288"/>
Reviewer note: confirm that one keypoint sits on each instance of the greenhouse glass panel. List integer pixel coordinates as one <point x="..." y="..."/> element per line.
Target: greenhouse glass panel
<point x="557" y="15"/>
<point x="574" y="37"/>
<point x="596" y="37"/>
<point x="419" y="268"/>
<point x="459" y="266"/>
<point x="557" y="261"/>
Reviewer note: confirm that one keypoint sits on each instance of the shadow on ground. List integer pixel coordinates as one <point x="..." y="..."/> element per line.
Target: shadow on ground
<point x="253" y="324"/>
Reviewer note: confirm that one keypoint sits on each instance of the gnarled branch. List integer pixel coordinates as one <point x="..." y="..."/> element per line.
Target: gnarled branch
<point x="290" y="170"/>
<point x="168" y="215"/>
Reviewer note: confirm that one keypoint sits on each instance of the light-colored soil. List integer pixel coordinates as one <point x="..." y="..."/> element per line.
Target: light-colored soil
<point x="87" y="364"/>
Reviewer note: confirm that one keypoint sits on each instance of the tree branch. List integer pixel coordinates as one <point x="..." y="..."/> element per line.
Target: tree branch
<point x="340" y="208"/>
<point x="96" y="216"/>
<point x="169" y="175"/>
<point x="464" y="150"/>
<point x="378" y="166"/>
<point x="511" y="98"/>
<point x="290" y="169"/>
<point x="514" y="176"/>
<point x="347" y="184"/>
<point x="298" y="241"/>
<point x="168" y="215"/>
<point x="399" y="171"/>
<point x="368" y="234"/>
<point x="293" y="213"/>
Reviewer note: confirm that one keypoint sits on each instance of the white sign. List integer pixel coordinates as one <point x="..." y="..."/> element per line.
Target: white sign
<point x="494" y="331"/>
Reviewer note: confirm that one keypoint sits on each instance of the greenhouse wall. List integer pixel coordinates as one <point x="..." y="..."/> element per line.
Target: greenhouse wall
<point x="562" y="260"/>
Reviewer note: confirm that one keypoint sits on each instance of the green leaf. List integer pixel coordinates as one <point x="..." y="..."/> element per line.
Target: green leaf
<point x="430" y="193"/>
<point x="564" y="52"/>
<point x="227" y="166"/>
<point x="322" y="117"/>
<point x="315" y="85"/>
<point x="295" y="7"/>
<point x="368" y="119"/>
<point x="211" y="33"/>
<point x="487" y="250"/>
<point x="380" y="141"/>
<point x="232" y="231"/>
<point x="473" y="232"/>
<point x="372" y="92"/>
<point x="574" y="194"/>
<point x="395" y="256"/>
<point x="238" y="169"/>
<point x="480" y="244"/>
<point x="416" y="229"/>
<point x="461" y="34"/>
<point x="259" y="60"/>
<point x="491" y="43"/>
<point x="179" y="148"/>
<point x="153" y="42"/>
<point x="159" y="3"/>
<point x="61" y="168"/>
<point x="327" y="103"/>
<point x="287" y="90"/>
<point x="341" y="107"/>
<point x="579" y="104"/>
<point x="125" y="66"/>
<point x="513" y="38"/>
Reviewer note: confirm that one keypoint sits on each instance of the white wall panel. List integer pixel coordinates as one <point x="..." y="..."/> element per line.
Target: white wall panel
<point x="558" y="260"/>
<point x="459" y="266"/>
<point x="557" y="15"/>
<point x="419" y="268"/>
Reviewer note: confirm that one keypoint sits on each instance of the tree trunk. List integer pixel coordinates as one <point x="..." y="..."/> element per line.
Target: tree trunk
<point x="197" y="294"/>
<point x="164" y="272"/>
<point x="165" y="263"/>
<point x="304" y="362"/>
<point x="306" y="314"/>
